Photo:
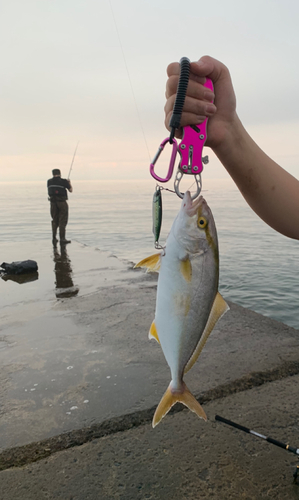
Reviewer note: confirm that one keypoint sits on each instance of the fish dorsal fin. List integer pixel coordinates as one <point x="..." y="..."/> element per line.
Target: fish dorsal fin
<point x="153" y="334"/>
<point x="219" y="308"/>
<point x="152" y="263"/>
<point x="186" y="269"/>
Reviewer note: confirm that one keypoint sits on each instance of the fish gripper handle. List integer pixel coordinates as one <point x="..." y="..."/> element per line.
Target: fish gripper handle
<point x="175" y="120"/>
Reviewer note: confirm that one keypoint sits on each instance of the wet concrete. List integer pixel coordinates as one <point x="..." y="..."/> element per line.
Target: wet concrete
<point x="68" y="363"/>
<point x="46" y="356"/>
<point x="183" y="458"/>
<point x="79" y="370"/>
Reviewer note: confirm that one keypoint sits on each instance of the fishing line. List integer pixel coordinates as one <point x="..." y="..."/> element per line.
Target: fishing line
<point x="73" y="160"/>
<point x="130" y="81"/>
<point x="164" y="189"/>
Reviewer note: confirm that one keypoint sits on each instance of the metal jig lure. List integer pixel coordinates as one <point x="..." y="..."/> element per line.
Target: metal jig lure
<point x="157" y="215"/>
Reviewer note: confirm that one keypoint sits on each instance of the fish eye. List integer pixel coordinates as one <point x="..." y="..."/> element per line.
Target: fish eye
<point x="202" y="222"/>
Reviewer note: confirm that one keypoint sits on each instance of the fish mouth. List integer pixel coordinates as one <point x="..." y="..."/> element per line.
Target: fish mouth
<point x="192" y="206"/>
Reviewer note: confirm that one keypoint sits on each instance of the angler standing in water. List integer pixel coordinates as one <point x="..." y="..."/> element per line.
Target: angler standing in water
<point x="57" y="191"/>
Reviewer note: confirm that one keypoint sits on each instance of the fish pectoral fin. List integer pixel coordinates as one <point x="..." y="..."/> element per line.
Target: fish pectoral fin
<point x="186" y="269"/>
<point x="153" y="334"/>
<point x="219" y="308"/>
<point x="152" y="263"/>
<point x="170" y="398"/>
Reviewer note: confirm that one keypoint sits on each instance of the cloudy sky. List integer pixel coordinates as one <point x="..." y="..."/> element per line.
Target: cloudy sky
<point x="94" y="71"/>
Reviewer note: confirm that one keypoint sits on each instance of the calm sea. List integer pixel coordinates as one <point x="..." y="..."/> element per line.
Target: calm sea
<point x="258" y="267"/>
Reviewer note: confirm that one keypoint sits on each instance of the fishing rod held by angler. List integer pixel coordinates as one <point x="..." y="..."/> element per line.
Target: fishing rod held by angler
<point x="73" y="160"/>
<point x="287" y="447"/>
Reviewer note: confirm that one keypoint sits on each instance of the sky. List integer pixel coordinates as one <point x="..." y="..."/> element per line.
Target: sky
<point x="94" y="72"/>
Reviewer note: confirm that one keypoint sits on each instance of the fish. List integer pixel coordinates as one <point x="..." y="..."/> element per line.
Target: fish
<point x="188" y="303"/>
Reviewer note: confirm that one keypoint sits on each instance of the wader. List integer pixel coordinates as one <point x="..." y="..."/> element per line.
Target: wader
<point x="59" y="213"/>
<point x="57" y="192"/>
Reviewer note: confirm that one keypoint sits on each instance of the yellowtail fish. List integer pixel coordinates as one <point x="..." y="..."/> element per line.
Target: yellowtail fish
<point x="188" y="303"/>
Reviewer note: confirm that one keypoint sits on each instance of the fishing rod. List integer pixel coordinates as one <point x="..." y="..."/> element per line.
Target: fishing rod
<point x="287" y="447"/>
<point x="73" y="160"/>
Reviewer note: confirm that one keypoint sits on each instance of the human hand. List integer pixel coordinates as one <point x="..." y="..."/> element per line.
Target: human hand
<point x="198" y="103"/>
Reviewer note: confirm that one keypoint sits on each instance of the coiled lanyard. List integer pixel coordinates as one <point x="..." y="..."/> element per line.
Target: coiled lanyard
<point x="193" y="141"/>
<point x="190" y="149"/>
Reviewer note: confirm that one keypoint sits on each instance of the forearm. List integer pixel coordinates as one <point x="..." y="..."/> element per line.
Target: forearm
<point x="270" y="190"/>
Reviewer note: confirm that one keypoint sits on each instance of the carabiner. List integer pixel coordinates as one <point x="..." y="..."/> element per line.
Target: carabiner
<point x="171" y="163"/>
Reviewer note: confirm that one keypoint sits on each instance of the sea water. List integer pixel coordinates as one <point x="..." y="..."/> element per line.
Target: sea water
<point x="258" y="266"/>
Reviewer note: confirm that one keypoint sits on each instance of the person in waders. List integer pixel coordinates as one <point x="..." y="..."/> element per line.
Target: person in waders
<point x="57" y="191"/>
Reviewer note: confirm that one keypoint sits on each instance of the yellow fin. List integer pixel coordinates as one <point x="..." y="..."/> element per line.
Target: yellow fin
<point x="152" y="263"/>
<point x="186" y="269"/>
<point x="219" y="308"/>
<point x="153" y="334"/>
<point x="170" y="399"/>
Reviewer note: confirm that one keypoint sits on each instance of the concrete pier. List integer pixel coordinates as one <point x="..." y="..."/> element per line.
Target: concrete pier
<point x="80" y="382"/>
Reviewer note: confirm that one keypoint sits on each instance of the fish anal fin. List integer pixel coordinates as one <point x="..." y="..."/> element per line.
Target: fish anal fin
<point x="219" y="308"/>
<point x="153" y="334"/>
<point x="186" y="269"/>
<point x="152" y="263"/>
<point x="170" y="398"/>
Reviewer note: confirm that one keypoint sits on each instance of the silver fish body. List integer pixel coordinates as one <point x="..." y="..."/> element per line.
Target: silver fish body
<point x="188" y="303"/>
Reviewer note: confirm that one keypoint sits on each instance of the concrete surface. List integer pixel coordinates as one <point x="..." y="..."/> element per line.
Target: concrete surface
<point x="76" y="367"/>
<point x="46" y="354"/>
<point x="184" y="458"/>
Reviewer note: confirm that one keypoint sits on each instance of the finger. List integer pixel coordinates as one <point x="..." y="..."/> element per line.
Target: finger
<point x="173" y="72"/>
<point x="169" y="105"/>
<point x="206" y="66"/>
<point x="178" y="132"/>
<point x="202" y="68"/>
<point x="199" y="107"/>
<point x="186" y="119"/>
<point x="173" y="69"/>
<point x="194" y="89"/>
<point x="192" y="106"/>
<point x="209" y="67"/>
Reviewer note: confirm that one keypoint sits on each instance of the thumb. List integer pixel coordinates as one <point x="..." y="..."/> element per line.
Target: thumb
<point x="209" y="67"/>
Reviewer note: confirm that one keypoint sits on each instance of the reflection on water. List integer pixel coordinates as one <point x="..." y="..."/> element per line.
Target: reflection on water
<point x="20" y="278"/>
<point x="63" y="273"/>
<point x="258" y="267"/>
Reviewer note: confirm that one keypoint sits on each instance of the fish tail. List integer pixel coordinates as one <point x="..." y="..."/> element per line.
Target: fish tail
<point x="172" y="397"/>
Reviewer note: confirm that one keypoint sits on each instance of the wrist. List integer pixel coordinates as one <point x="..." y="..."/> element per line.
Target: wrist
<point x="233" y="134"/>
